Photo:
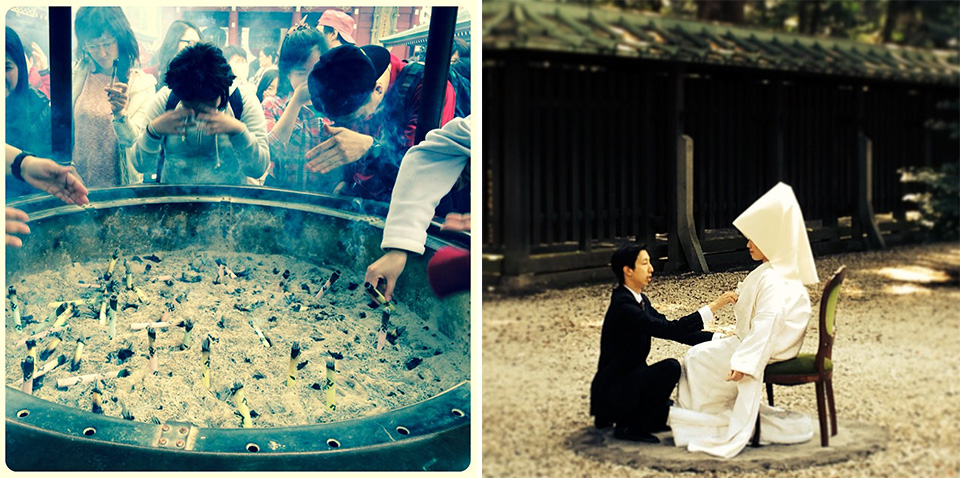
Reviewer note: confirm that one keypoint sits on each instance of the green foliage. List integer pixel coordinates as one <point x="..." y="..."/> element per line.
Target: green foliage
<point x="939" y="203"/>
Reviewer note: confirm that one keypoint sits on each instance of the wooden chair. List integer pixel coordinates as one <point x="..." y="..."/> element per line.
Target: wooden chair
<point x="807" y="368"/>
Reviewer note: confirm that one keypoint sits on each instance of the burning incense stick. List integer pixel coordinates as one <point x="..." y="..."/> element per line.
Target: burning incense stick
<point x="328" y="284"/>
<point x="377" y="296"/>
<point x="113" y="75"/>
<point x="292" y="368"/>
<point x="128" y="276"/>
<point x="32" y="349"/>
<point x="112" y="318"/>
<point x="241" y="400"/>
<point x="51" y="346"/>
<point x="382" y="333"/>
<point x="116" y="252"/>
<point x="14" y="306"/>
<point x="123" y="410"/>
<point x="95" y="395"/>
<point x="331" y="387"/>
<point x="139" y="295"/>
<point x="187" y="327"/>
<point x="77" y="356"/>
<point x="90" y="378"/>
<point x="15" y="311"/>
<point x="149" y="325"/>
<point x="205" y="353"/>
<point x="152" y="338"/>
<point x="62" y="314"/>
<point x="39" y="335"/>
<point x="103" y="311"/>
<point x="27" y="366"/>
<point x="266" y="343"/>
<point x="49" y="366"/>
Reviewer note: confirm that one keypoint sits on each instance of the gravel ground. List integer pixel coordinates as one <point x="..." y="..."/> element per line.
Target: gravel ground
<point x="898" y="365"/>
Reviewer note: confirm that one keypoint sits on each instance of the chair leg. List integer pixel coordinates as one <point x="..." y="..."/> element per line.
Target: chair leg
<point x="756" y="433"/>
<point x="770" y="394"/>
<point x="822" y="415"/>
<point x="833" y="408"/>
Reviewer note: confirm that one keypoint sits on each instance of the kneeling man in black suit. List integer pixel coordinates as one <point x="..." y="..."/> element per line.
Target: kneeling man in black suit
<point x="626" y="390"/>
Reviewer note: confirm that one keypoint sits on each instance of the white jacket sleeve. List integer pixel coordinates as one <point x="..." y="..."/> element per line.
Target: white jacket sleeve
<point x="140" y="89"/>
<point x="428" y="171"/>
<point x="147" y="151"/>
<point x="754" y="352"/>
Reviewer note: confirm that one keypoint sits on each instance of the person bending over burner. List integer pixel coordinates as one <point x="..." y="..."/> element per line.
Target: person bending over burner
<point x="202" y="127"/>
<point x="45" y="175"/>
<point x="373" y="100"/>
<point x="442" y="161"/>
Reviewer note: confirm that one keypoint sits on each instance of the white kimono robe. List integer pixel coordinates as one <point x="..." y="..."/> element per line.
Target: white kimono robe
<point x="718" y="417"/>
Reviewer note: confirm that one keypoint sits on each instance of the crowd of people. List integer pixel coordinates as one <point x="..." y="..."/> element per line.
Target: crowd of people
<point x="316" y="113"/>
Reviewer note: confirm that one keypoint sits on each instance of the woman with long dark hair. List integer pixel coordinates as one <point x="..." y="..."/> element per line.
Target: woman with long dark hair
<point x="108" y="88"/>
<point x="180" y="35"/>
<point x="293" y="125"/>
<point x="28" y="111"/>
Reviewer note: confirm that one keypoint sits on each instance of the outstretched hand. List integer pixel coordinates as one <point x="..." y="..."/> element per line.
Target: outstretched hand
<point x="16" y="224"/>
<point x="344" y="146"/>
<point x="724" y="300"/>
<point x="456" y="222"/>
<point x="56" y="179"/>
<point x="389" y="267"/>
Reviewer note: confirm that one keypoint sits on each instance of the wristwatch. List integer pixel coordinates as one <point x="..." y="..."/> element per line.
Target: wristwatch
<point x="17" y="163"/>
<point x="375" y="149"/>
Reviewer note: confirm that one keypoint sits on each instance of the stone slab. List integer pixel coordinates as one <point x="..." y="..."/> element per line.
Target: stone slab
<point x="853" y="440"/>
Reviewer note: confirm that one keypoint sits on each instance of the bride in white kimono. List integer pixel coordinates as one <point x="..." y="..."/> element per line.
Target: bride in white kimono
<point x="721" y="385"/>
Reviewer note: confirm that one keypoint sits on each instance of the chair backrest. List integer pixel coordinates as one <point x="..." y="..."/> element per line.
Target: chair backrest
<point x="828" y="312"/>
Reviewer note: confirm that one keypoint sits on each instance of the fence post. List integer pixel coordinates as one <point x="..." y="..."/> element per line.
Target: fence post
<point x="777" y="143"/>
<point x="868" y="222"/>
<point x="686" y="229"/>
<point x="515" y="207"/>
<point x="674" y="128"/>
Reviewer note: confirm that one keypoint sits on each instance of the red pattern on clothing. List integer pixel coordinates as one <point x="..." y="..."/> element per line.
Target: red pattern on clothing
<point x="291" y="157"/>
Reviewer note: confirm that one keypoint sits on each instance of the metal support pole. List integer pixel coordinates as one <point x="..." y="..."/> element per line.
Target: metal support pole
<point x="443" y="21"/>
<point x="61" y="86"/>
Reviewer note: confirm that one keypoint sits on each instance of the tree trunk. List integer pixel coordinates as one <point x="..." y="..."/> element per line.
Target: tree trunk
<point x="815" y="17"/>
<point x="729" y="11"/>
<point x="893" y="11"/>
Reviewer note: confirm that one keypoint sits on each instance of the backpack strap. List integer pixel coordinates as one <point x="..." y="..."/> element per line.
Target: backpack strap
<point x="236" y="103"/>
<point x="406" y="82"/>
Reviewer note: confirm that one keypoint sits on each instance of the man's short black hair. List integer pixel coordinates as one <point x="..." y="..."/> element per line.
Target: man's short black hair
<point x="200" y="73"/>
<point x="625" y="255"/>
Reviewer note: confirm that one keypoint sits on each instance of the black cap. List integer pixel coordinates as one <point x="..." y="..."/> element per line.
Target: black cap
<point x="344" y="77"/>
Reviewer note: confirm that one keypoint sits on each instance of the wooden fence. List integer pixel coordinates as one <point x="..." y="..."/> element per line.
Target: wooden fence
<point x="582" y="152"/>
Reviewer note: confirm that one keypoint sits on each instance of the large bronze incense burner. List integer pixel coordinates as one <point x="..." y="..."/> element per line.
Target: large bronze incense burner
<point x="432" y="434"/>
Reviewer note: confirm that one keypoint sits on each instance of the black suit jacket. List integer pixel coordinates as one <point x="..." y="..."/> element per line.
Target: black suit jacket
<point x="625" y="345"/>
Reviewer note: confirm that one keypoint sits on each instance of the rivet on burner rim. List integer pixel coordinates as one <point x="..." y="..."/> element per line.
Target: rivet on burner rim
<point x="183" y="429"/>
<point x="163" y="441"/>
<point x="166" y="427"/>
<point x="180" y="443"/>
